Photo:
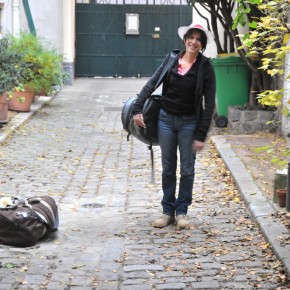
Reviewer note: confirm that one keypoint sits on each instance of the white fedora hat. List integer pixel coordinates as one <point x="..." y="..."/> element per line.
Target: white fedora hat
<point x="183" y="29"/>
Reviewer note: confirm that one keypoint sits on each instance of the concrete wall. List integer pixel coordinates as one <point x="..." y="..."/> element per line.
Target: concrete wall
<point x="5" y="17"/>
<point x="47" y="17"/>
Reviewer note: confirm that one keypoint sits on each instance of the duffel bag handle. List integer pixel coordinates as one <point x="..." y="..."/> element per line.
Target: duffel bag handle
<point x="39" y="199"/>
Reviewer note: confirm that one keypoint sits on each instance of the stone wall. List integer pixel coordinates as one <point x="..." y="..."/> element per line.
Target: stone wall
<point x="251" y="121"/>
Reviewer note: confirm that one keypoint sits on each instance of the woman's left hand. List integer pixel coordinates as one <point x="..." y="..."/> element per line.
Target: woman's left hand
<point x="197" y="146"/>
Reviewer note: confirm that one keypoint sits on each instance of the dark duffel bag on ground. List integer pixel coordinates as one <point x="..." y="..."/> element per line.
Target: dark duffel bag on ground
<point x="28" y="220"/>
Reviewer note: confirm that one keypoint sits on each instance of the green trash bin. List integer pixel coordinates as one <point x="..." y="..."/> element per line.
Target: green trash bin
<point x="232" y="86"/>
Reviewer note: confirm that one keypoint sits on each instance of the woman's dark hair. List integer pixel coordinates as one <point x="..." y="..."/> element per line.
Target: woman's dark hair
<point x="203" y="38"/>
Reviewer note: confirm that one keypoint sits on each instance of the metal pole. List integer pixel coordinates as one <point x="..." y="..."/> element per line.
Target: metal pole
<point x="29" y="16"/>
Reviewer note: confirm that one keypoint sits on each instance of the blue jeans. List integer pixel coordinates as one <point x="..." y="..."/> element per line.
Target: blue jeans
<point x="174" y="132"/>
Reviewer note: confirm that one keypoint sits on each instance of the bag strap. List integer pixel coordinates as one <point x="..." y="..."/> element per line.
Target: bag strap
<point x="39" y="199"/>
<point x="37" y="215"/>
<point x="150" y="147"/>
<point x="168" y="66"/>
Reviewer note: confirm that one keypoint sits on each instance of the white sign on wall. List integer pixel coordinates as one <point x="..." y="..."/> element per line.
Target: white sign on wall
<point x="132" y="23"/>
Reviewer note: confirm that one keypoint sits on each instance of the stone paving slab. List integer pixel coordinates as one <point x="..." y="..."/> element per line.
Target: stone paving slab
<point x="75" y="150"/>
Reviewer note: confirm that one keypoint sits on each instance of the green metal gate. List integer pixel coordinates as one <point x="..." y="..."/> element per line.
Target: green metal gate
<point x="126" y="40"/>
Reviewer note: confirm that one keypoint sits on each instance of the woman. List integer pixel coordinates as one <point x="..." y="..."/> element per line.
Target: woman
<point x="188" y="102"/>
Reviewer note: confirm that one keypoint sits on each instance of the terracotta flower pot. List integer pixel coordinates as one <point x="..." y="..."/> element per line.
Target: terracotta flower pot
<point x="41" y="93"/>
<point x="4" y="108"/>
<point x="18" y="105"/>
<point x="281" y="194"/>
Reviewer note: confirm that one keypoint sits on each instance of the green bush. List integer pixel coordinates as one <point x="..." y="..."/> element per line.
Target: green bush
<point x="43" y="65"/>
<point x="11" y="66"/>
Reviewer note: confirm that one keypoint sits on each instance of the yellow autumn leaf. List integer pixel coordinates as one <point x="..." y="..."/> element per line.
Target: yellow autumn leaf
<point x="286" y="37"/>
<point x="265" y="246"/>
<point x="236" y="199"/>
<point x="266" y="22"/>
<point x="276" y="265"/>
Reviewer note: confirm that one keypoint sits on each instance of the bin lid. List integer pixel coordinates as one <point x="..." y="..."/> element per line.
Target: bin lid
<point x="232" y="60"/>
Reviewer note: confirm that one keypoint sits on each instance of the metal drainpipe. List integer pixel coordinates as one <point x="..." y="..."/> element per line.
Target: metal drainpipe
<point x="29" y="16"/>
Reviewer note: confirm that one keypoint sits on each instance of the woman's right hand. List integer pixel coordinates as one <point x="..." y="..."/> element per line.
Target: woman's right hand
<point x="138" y="119"/>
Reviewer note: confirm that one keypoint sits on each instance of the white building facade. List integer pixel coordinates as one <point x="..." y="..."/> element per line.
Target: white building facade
<point x="53" y="20"/>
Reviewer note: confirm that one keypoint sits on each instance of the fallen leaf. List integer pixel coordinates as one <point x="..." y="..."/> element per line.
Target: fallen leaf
<point x="77" y="266"/>
<point x="9" y="265"/>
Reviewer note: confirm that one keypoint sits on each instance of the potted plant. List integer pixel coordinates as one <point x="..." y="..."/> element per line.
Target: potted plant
<point x="51" y="72"/>
<point x="281" y="194"/>
<point x="43" y="69"/>
<point x="11" y="70"/>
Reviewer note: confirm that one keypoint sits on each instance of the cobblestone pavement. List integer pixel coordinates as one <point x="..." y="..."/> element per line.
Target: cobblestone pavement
<point x="75" y="150"/>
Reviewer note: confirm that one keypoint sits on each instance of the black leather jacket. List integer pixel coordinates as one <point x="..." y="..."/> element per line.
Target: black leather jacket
<point x="204" y="93"/>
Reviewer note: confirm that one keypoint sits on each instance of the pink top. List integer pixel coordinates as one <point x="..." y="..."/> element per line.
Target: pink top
<point x="182" y="71"/>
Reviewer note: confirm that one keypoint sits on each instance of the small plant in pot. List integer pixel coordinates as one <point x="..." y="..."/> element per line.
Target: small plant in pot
<point x="43" y="65"/>
<point x="11" y="71"/>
